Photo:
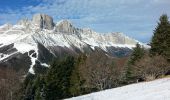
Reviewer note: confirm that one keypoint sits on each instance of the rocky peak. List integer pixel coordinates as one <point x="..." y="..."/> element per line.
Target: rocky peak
<point x="88" y="31"/>
<point x="43" y="21"/>
<point x="65" y="26"/>
<point x="5" y="27"/>
<point x="65" y="22"/>
<point x="23" y="21"/>
<point x="120" y="38"/>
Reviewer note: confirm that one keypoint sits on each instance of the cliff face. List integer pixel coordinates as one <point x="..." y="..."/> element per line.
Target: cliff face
<point x="43" y="21"/>
<point x="65" y="26"/>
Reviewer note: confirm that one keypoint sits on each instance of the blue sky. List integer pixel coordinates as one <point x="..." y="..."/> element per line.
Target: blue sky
<point x="135" y="18"/>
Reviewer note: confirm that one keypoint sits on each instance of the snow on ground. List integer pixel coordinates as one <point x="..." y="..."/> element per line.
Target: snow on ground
<point x="153" y="90"/>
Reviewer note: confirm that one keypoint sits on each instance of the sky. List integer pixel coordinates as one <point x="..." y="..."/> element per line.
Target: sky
<point x="135" y="18"/>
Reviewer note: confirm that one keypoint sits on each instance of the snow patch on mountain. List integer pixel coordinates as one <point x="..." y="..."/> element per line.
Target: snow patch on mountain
<point x="5" y="56"/>
<point x="24" y="47"/>
<point x="34" y="57"/>
<point x="33" y="61"/>
<point x="45" y="65"/>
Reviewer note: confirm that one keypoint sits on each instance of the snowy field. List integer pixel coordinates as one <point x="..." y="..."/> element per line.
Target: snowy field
<point x="154" y="90"/>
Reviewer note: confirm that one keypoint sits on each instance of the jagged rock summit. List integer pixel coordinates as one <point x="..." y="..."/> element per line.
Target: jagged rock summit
<point x="65" y="26"/>
<point x="43" y="21"/>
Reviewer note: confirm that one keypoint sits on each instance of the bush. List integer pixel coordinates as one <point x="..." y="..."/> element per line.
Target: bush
<point x="149" y="68"/>
<point x="101" y="71"/>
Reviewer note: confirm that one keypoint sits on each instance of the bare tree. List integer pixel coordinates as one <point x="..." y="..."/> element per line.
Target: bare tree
<point x="150" y="68"/>
<point x="9" y="82"/>
<point x="101" y="71"/>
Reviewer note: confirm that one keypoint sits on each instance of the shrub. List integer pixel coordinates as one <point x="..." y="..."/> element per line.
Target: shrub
<point x="149" y="68"/>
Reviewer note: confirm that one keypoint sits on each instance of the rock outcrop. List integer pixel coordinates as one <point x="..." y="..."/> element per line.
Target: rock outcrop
<point x="65" y="26"/>
<point x="43" y="21"/>
<point x="5" y="27"/>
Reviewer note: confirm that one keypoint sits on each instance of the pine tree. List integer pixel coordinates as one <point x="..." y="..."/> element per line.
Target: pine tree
<point x="138" y="53"/>
<point x="38" y="87"/>
<point x="160" y="44"/>
<point x="38" y="94"/>
<point x="58" y="79"/>
<point x="29" y="92"/>
<point x="76" y="80"/>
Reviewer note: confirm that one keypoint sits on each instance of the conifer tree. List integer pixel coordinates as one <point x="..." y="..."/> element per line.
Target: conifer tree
<point x="58" y="79"/>
<point x="38" y="87"/>
<point x="160" y="44"/>
<point x="138" y="53"/>
<point x="76" y="80"/>
<point x="38" y="94"/>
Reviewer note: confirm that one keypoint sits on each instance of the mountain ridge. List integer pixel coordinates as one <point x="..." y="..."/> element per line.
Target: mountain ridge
<point x="57" y="38"/>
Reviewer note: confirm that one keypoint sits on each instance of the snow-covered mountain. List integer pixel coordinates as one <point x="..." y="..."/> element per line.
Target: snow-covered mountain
<point x="154" y="90"/>
<point x="40" y="39"/>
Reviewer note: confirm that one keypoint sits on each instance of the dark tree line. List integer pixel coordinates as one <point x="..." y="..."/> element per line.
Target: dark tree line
<point x="72" y="76"/>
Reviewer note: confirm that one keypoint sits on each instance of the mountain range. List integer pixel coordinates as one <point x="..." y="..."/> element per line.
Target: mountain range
<point x="39" y="40"/>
